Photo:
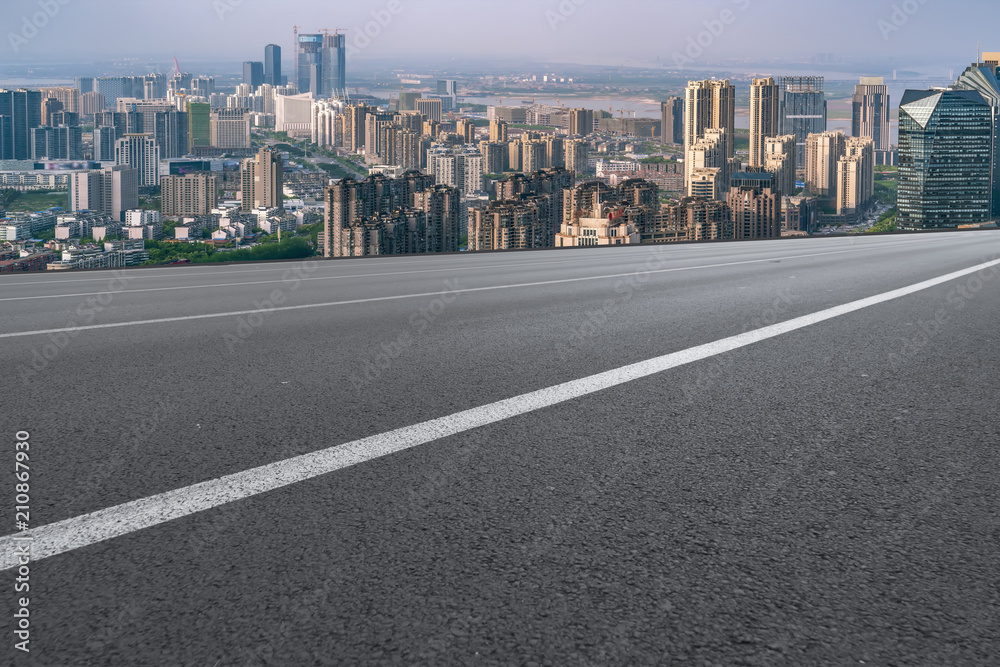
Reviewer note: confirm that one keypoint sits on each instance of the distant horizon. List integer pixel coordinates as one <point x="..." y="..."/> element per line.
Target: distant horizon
<point x="583" y="32"/>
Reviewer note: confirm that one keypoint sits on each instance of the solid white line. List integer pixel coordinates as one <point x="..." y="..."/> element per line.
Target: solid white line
<point x="306" y="306"/>
<point x="262" y="267"/>
<point x="88" y="529"/>
<point x="269" y="282"/>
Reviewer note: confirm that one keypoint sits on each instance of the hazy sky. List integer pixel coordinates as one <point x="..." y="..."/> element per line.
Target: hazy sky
<point x="591" y="31"/>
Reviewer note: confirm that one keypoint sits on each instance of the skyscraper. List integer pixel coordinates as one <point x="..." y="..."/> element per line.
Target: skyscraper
<point x="272" y="65"/>
<point x="140" y="152"/>
<point x="23" y="110"/>
<point x="803" y="109"/>
<point x="983" y="78"/>
<point x="64" y="142"/>
<point x="253" y="73"/>
<point x="779" y="161"/>
<point x="672" y="121"/>
<point x="334" y="58"/>
<point x="199" y="125"/>
<point x="708" y="104"/>
<point x="823" y="150"/>
<point x="944" y="159"/>
<point x="763" y="117"/>
<point x="263" y="180"/>
<point x="870" y="112"/>
<point x="581" y="122"/>
<point x="309" y="56"/>
<point x="856" y="176"/>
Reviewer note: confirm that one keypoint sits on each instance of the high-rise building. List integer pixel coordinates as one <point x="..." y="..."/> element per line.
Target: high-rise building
<point x="64" y="142"/>
<point x="460" y="167"/>
<point x="272" y="65"/>
<point x="577" y="152"/>
<point x="779" y="161"/>
<point x="856" y="176"/>
<point x="672" y="121"/>
<point x="764" y="106"/>
<point x="50" y="105"/>
<point x="112" y="190"/>
<point x="430" y="108"/>
<point x="105" y="137"/>
<point x="23" y="109"/>
<point x="944" y="159"/>
<point x="188" y="194"/>
<point x="253" y="73"/>
<point x="755" y="212"/>
<point x="170" y="129"/>
<point x="322" y="65"/>
<point x="447" y="87"/>
<point x="443" y="207"/>
<point x="334" y="66"/>
<point x="707" y="156"/>
<point x="823" y="150"/>
<point x="263" y="180"/>
<point x="708" y="104"/>
<point x="357" y="221"/>
<point x="803" y="109"/>
<point x="68" y="96"/>
<point x="494" y="156"/>
<point x="581" y="122"/>
<point x="984" y="77"/>
<point x="498" y="131"/>
<point x="467" y="130"/>
<point x="199" y="125"/>
<point x="229" y="128"/>
<point x="140" y="152"/>
<point x="407" y="101"/>
<point x="870" y="111"/>
<point x="309" y="58"/>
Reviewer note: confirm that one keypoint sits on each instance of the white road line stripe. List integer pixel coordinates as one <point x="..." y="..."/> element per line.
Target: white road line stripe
<point x="269" y="282"/>
<point x="82" y="531"/>
<point x="307" y="306"/>
<point x="261" y="267"/>
<point x="253" y="268"/>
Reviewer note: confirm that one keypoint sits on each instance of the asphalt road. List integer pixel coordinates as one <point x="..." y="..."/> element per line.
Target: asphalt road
<point x="823" y="496"/>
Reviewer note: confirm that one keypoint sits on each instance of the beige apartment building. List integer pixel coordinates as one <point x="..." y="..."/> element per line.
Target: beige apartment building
<point x="188" y="194"/>
<point x="823" y="150"/>
<point x="856" y="176"/>
<point x="263" y="181"/>
<point x="779" y="161"/>
<point x="709" y="104"/>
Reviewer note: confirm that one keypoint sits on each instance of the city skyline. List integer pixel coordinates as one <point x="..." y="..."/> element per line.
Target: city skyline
<point x="679" y="35"/>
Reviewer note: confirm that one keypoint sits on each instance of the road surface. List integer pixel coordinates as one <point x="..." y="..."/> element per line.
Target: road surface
<point x="767" y="453"/>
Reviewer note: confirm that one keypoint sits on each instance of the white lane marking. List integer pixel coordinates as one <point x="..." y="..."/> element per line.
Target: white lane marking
<point x="294" y="279"/>
<point x="258" y="267"/>
<point x="88" y="529"/>
<point x="252" y="267"/>
<point x="396" y="297"/>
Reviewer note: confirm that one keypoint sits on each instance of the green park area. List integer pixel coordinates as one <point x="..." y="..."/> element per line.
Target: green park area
<point x="32" y="200"/>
